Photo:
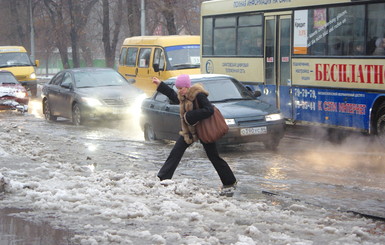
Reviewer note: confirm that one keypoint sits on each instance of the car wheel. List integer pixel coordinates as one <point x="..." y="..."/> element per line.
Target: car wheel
<point x="149" y="134"/>
<point x="47" y="111"/>
<point x="76" y="115"/>
<point x="272" y="143"/>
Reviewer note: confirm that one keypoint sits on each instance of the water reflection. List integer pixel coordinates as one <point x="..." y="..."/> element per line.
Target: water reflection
<point x="14" y="230"/>
<point x="35" y="108"/>
<point x="275" y="176"/>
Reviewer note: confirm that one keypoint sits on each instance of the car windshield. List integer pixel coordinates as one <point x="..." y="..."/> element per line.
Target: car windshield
<point x="6" y="78"/>
<point x="225" y="90"/>
<point x="14" y="59"/>
<point x="183" y="56"/>
<point x="98" y="78"/>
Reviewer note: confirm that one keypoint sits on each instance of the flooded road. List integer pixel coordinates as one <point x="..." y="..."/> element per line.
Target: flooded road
<point x="346" y="177"/>
<point x="15" y="230"/>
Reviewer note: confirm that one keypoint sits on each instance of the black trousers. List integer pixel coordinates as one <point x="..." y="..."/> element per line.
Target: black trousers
<point x="224" y="171"/>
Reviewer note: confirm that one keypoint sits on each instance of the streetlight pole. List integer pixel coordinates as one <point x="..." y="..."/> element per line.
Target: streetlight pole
<point x="32" y="31"/>
<point x="142" y="19"/>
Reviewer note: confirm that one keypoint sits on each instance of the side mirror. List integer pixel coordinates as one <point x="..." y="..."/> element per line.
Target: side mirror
<point x="37" y="63"/>
<point x="131" y="81"/>
<point x="156" y="67"/>
<point x="257" y="93"/>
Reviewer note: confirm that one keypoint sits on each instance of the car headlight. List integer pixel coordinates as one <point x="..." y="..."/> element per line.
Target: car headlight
<point x="92" y="101"/>
<point x="230" y="121"/>
<point x="21" y="94"/>
<point x="138" y="100"/>
<point x="135" y="107"/>
<point x="32" y="76"/>
<point x="273" y="117"/>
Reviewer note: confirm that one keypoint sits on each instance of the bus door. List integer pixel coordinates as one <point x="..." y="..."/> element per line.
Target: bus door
<point x="143" y="74"/>
<point x="277" y="90"/>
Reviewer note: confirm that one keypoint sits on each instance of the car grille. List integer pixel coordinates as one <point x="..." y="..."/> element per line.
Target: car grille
<point x="117" y="102"/>
<point x="246" y="122"/>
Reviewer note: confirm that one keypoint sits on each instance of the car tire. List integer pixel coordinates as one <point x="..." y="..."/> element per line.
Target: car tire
<point x="77" y="118"/>
<point x="47" y="111"/>
<point x="272" y="143"/>
<point x="149" y="134"/>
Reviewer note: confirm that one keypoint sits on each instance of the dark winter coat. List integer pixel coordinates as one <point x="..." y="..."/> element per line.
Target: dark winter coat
<point x="189" y="113"/>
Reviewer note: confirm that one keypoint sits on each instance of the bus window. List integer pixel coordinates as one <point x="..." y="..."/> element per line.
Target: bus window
<point x="347" y="25"/>
<point x="224" y="36"/>
<point x="207" y="48"/>
<point x="159" y="59"/>
<point x="249" y="36"/>
<point x="270" y="52"/>
<point x="376" y="29"/>
<point x="131" y="56"/>
<point x="122" y="57"/>
<point x="317" y="22"/>
<point x="144" y="57"/>
<point x="336" y="31"/>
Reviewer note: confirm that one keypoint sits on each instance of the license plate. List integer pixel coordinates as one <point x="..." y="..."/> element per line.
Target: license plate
<point x="253" y="131"/>
<point x="118" y="111"/>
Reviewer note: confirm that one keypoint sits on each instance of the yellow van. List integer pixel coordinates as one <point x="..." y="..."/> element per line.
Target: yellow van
<point x="16" y="60"/>
<point x="143" y="57"/>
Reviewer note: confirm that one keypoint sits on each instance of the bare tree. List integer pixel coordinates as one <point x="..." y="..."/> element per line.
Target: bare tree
<point x="79" y="16"/>
<point x="168" y="12"/>
<point x="133" y="16"/>
<point x="15" y="26"/>
<point x="110" y="46"/>
<point x="66" y="23"/>
<point x="177" y="17"/>
<point x="56" y="15"/>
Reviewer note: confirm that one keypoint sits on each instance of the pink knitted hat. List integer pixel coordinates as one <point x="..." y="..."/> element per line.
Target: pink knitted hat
<point x="183" y="81"/>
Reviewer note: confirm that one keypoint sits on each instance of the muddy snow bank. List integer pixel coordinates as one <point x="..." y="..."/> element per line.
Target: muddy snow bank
<point x="105" y="206"/>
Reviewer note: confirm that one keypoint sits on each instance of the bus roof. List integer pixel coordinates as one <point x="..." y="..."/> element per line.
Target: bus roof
<point x="9" y="49"/>
<point x="232" y="6"/>
<point x="163" y="41"/>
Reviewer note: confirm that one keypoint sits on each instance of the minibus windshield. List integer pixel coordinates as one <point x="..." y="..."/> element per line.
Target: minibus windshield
<point x="183" y="56"/>
<point x="14" y="59"/>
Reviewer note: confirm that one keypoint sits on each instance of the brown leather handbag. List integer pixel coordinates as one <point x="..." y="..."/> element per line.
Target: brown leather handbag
<point x="212" y="128"/>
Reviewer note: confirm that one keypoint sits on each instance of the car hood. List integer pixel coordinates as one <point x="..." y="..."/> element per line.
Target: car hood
<point x="110" y="92"/>
<point x="245" y="108"/>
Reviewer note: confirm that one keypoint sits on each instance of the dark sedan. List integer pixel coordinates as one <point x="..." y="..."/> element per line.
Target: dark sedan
<point x="13" y="96"/>
<point x="249" y="119"/>
<point x="81" y="94"/>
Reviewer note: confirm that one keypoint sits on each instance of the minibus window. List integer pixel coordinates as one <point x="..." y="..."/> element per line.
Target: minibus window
<point x="158" y="60"/>
<point x="131" y="56"/>
<point x="144" y="57"/>
<point x="122" y="57"/>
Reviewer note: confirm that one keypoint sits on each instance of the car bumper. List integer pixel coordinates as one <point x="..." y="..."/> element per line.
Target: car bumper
<point x="260" y="133"/>
<point x="102" y="113"/>
<point x="14" y="104"/>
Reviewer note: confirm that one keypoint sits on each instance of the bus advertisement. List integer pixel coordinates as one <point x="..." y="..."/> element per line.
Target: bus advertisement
<point x="320" y="62"/>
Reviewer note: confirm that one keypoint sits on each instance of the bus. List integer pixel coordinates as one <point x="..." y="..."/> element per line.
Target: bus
<point x="320" y="62"/>
<point x="16" y="60"/>
<point x="144" y="57"/>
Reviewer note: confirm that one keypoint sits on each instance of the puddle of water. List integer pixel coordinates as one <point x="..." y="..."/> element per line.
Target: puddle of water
<point x="14" y="230"/>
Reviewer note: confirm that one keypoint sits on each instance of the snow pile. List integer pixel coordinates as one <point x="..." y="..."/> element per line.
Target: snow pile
<point x="105" y="206"/>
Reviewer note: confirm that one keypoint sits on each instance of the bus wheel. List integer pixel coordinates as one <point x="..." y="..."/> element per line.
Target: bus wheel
<point x="336" y="136"/>
<point x="380" y="124"/>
